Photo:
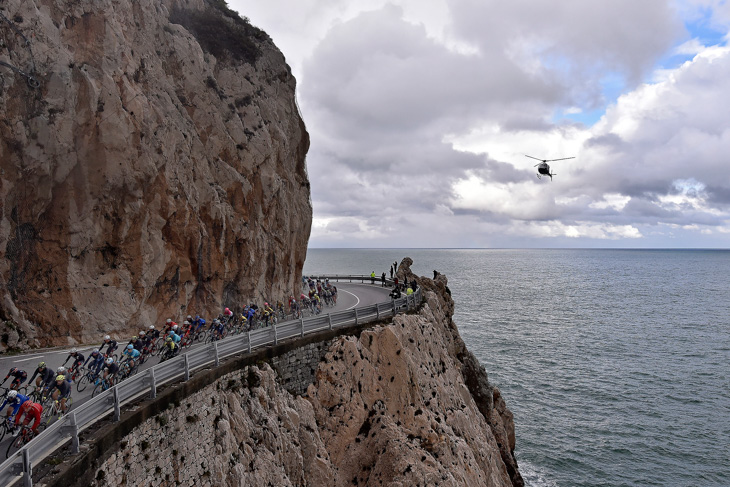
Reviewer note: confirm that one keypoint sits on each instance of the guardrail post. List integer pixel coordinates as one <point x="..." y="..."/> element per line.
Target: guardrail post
<point x="276" y="339"/>
<point x="216" y="357"/>
<point x="187" y="368"/>
<point x="377" y="311"/>
<point x="115" y="396"/>
<point x="393" y="301"/>
<point x="301" y="325"/>
<point x="329" y="319"/>
<point x="356" y="316"/>
<point x="153" y="384"/>
<point x="74" y="428"/>
<point x="249" y="341"/>
<point x="27" y="469"/>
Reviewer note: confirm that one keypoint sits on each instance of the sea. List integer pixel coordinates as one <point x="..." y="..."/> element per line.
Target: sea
<point x="615" y="363"/>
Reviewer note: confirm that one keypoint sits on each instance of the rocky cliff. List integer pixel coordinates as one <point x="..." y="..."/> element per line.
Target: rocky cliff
<point x="403" y="403"/>
<point x="152" y="165"/>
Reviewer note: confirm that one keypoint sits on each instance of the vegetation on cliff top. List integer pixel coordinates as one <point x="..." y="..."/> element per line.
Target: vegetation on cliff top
<point x="222" y="32"/>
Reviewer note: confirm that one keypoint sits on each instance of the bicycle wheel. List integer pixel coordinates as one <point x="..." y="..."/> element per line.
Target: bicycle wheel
<point x="69" y="403"/>
<point x="83" y="382"/>
<point x="23" y="390"/>
<point x="3" y="429"/>
<point x="17" y="443"/>
<point x="98" y="388"/>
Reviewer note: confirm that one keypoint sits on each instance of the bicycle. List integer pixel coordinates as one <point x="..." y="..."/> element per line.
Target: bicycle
<point x="25" y="435"/>
<point x="5" y="426"/>
<point x="4" y="391"/>
<point x="54" y="410"/>
<point x="76" y="372"/>
<point x="40" y="394"/>
<point x="88" y="378"/>
<point x="100" y="385"/>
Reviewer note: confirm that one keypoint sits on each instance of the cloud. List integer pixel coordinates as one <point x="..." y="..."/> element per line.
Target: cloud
<point x="421" y="113"/>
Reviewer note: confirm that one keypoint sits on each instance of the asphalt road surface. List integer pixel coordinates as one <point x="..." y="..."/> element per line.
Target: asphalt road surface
<point x="350" y="295"/>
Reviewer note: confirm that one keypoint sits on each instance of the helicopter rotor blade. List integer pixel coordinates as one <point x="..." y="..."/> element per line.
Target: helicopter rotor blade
<point x="563" y="159"/>
<point x="541" y="160"/>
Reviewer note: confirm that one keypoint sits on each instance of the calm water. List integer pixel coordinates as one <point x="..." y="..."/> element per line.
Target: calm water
<point x="615" y="363"/>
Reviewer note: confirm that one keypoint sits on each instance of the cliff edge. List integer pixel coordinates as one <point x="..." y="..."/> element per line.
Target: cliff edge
<point x="152" y="165"/>
<point x="404" y="403"/>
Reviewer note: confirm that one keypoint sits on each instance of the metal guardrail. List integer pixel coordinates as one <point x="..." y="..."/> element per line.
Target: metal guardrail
<point x="20" y="464"/>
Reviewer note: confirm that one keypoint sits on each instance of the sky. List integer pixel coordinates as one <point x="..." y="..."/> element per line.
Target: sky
<point x="421" y="114"/>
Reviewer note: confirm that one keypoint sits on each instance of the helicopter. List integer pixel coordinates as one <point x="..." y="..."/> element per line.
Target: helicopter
<point x="544" y="168"/>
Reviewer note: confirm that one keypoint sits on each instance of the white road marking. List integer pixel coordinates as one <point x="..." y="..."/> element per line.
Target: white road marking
<point x="351" y="294"/>
<point x="29" y="358"/>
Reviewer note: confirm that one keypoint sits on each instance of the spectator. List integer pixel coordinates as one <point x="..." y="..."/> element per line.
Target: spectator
<point x="372" y="277"/>
<point x="382" y="280"/>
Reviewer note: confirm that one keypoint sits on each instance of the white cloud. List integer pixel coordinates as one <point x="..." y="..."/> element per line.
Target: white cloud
<point x="421" y="113"/>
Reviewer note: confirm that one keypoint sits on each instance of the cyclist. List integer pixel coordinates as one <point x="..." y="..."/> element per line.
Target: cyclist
<point x="218" y="329"/>
<point x="110" y="344"/>
<point x="110" y="371"/>
<point x="334" y="294"/>
<point x="45" y="376"/>
<point x="14" y="401"/>
<point x="62" y="391"/>
<point x="18" y="375"/>
<point x="131" y="354"/>
<point x="169" y="325"/>
<point x="32" y="412"/>
<point x="198" y="324"/>
<point x="78" y="359"/>
<point x="136" y="343"/>
<point x="174" y="336"/>
<point x="95" y="361"/>
<point x="170" y="348"/>
<point x="152" y="333"/>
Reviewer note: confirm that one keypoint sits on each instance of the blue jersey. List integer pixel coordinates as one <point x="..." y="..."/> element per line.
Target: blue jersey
<point x="131" y="353"/>
<point x="15" y="403"/>
<point x="175" y="338"/>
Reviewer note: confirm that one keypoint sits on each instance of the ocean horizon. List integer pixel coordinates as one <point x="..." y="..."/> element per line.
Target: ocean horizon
<point x="613" y="361"/>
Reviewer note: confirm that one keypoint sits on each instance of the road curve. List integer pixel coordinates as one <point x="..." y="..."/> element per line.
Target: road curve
<point x="350" y="295"/>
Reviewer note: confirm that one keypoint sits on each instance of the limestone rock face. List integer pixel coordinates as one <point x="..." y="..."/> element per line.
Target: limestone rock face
<point x="157" y="169"/>
<point x="395" y="406"/>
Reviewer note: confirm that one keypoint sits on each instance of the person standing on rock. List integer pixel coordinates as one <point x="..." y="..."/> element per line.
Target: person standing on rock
<point x="391" y="272"/>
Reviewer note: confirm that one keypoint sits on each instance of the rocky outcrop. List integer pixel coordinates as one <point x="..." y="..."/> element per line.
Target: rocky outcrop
<point x="152" y="165"/>
<point x="403" y="403"/>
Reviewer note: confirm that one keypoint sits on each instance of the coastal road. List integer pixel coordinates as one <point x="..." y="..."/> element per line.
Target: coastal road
<point x="350" y="295"/>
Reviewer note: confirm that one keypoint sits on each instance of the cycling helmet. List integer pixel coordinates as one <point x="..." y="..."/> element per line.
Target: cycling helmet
<point x="130" y="346"/>
<point x="13" y="370"/>
<point x="107" y="337"/>
<point x="60" y="377"/>
<point x="61" y="370"/>
<point x="12" y="395"/>
<point x="142" y="333"/>
<point x="41" y="365"/>
<point x="109" y="361"/>
<point x="186" y="322"/>
<point x="174" y="327"/>
<point x="168" y="339"/>
<point x="134" y="337"/>
<point x="73" y="350"/>
<point x="152" y="327"/>
<point x="95" y="352"/>
<point x="168" y="320"/>
<point x="197" y="317"/>
<point x="266" y="304"/>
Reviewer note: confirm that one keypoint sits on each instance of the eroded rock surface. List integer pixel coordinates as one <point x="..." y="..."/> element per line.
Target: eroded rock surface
<point x="157" y="169"/>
